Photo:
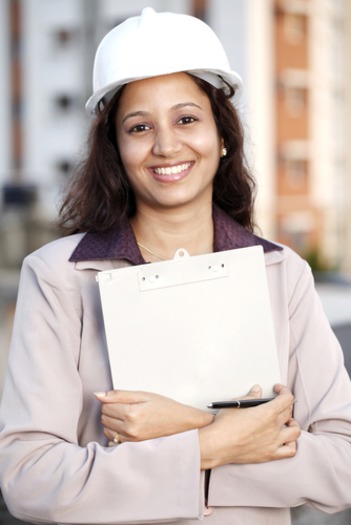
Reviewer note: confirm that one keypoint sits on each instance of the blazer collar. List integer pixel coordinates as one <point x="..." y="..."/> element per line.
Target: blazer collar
<point x="230" y="235"/>
<point x="121" y="243"/>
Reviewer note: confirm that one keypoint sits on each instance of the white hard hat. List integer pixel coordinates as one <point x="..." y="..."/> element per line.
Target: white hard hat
<point x="154" y="44"/>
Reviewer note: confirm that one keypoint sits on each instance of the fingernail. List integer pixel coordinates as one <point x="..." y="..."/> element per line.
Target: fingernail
<point x="100" y="394"/>
<point x="255" y="388"/>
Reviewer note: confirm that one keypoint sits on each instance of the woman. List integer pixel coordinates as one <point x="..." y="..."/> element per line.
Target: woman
<point x="164" y="170"/>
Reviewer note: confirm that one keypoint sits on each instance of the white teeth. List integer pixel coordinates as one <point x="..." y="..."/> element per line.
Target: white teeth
<point x="171" y="170"/>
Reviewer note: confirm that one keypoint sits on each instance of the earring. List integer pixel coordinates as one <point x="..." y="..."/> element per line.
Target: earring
<point x="224" y="152"/>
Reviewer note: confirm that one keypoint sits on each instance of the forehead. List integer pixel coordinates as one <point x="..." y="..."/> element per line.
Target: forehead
<point x="166" y="89"/>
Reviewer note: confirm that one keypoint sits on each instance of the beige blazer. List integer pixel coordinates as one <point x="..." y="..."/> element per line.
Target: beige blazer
<point x="54" y="462"/>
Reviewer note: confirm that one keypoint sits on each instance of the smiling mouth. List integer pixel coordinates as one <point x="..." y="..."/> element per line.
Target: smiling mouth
<point x="172" y="170"/>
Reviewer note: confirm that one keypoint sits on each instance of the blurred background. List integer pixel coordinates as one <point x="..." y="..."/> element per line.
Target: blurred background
<point x="294" y="58"/>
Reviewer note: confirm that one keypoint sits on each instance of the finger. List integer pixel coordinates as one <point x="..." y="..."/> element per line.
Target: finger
<point x="121" y="411"/>
<point x="127" y="424"/>
<point x="287" y="441"/>
<point x="287" y="450"/>
<point x="106" y="396"/>
<point x="111" y="422"/>
<point x="115" y="438"/>
<point x="293" y="424"/>
<point x="284" y="414"/>
<point x="281" y="389"/>
<point x="289" y="434"/>
<point x="284" y="397"/>
<point x="117" y="431"/>
<point x="254" y="393"/>
<point x="121" y="396"/>
<point x="280" y="409"/>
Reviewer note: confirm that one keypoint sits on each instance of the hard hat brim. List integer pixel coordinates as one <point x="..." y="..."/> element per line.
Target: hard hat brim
<point x="214" y="77"/>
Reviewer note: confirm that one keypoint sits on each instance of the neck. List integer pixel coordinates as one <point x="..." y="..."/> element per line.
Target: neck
<point x="160" y="235"/>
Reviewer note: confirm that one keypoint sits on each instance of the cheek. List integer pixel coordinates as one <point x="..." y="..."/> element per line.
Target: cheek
<point x="129" y="154"/>
<point x="132" y="157"/>
<point x="208" y="141"/>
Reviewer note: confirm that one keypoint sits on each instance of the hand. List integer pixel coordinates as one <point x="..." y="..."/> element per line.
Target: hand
<point x="251" y="435"/>
<point x="138" y="416"/>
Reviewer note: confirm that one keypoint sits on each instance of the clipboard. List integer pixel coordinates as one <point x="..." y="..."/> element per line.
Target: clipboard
<point x="196" y="329"/>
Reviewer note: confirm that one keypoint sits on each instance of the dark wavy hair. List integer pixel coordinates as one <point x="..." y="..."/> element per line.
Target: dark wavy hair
<point x="99" y="194"/>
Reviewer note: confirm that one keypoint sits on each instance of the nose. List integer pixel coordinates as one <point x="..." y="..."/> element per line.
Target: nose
<point x="166" y="143"/>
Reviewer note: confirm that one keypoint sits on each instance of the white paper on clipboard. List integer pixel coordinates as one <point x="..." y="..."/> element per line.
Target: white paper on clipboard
<point x="196" y="329"/>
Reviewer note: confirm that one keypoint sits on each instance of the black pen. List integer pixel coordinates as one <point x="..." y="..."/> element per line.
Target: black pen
<point x="239" y="403"/>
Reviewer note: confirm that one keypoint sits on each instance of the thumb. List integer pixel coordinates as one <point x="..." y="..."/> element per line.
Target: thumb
<point x="255" y="392"/>
<point x="107" y="397"/>
<point x="121" y="396"/>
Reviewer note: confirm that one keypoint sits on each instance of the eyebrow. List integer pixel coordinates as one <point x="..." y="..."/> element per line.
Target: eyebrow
<point x="142" y="113"/>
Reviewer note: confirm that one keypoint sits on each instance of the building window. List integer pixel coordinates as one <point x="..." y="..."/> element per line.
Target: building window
<point x="64" y="37"/>
<point x="64" y="102"/>
<point x="298" y="240"/>
<point x="64" y="167"/>
<point x="295" y="26"/>
<point x="296" y="229"/>
<point x="296" y="172"/>
<point x="295" y="100"/>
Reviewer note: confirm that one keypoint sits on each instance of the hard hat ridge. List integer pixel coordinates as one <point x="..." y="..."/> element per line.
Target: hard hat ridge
<point x="155" y="44"/>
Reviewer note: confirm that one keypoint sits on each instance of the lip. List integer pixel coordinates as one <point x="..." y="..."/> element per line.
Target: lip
<point x="171" y="172"/>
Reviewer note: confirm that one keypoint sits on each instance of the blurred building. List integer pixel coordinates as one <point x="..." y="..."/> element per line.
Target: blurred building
<point x="292" y="55"/>
<point x="295" y="61"/>
<point x="311" y="171"/>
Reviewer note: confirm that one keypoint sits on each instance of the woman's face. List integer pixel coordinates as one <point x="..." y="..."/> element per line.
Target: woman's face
<point x="168" y="142"/>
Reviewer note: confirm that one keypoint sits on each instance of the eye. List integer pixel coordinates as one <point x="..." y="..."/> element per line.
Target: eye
<point x="187" y="120"/>
<point x="139" y="128"/>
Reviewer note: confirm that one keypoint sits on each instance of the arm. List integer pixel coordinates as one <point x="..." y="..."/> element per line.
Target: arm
<point x="256" y="435"/>
<point x="138" y="416"/>
<point x="46" y="474"/>
<point x="320" y="472"/>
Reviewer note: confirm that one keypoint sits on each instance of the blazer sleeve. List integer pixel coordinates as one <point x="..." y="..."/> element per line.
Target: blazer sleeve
<point x="46" y="475"/>
<point x="320" y="473"/>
